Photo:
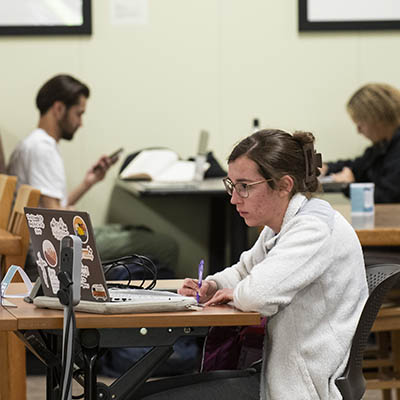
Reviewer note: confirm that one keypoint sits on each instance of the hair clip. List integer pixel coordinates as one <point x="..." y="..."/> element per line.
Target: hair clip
<point x="318" y="160"/>
<point x="312" y="161"/>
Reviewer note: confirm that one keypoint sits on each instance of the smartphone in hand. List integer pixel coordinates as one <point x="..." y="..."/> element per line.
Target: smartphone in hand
<point x="114" y="156"/>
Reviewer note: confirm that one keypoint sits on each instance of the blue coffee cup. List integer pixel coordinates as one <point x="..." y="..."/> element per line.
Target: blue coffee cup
<point x="362" y="198"/>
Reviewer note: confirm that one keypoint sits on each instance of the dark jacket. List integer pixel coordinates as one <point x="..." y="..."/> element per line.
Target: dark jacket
<point x="380" y="164"/>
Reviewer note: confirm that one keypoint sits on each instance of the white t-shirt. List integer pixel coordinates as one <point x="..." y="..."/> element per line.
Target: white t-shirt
<point x="37" y="162"/>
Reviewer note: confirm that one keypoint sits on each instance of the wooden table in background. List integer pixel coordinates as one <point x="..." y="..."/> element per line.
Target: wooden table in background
<point x="386" y="228"/>
<point x="388" y="320"/>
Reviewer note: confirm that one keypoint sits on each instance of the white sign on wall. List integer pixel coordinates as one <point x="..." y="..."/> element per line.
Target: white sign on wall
<point x="129" y="12"/>
<point x="349" y="14"/>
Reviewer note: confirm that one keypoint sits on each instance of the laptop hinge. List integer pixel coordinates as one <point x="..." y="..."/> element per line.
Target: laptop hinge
<point x="36" y="291"/>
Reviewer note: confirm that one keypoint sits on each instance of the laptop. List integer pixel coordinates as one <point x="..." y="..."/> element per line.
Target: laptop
<point x="47" y="227"/>
<point x="330" y="186"/>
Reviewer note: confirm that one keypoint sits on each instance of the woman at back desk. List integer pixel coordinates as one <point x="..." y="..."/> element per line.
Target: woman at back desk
<point x="375" y="109"/>
<point x="305" y="272"/>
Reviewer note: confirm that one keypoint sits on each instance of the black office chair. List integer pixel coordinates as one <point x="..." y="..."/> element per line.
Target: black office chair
<point x="161" y="385"/>
<point x="381" y="278"/>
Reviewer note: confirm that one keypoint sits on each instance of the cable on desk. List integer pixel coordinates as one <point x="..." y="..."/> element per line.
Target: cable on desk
<point x="144" y="262"/>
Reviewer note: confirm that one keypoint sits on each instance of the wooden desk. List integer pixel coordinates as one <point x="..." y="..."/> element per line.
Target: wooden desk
<point x="386" y="225"/>
<point x="159" y="330"/>
<point x="29" y="318"/>
<point x="26" y="316"/>
<point x="9" y="369"/>
<point x="7" y="321"/>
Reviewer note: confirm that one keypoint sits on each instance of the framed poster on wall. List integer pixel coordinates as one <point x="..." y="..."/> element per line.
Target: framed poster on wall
<point x="45" y="17"/>
<point x="349" y="15"/>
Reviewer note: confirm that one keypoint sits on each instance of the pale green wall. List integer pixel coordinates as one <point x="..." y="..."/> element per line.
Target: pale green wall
<point x="197" y="64"/>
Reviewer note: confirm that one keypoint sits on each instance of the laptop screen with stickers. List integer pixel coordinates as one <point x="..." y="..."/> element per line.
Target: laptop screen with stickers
<point x="47" y="227"/>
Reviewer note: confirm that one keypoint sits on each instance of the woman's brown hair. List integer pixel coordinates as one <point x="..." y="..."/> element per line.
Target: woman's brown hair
<point x="278" y="153"/>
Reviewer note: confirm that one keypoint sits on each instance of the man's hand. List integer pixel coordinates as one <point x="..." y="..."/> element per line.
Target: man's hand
<point x="98" y="171"/>
<point x="190" y="288"/>
<point x="345" y="175"/>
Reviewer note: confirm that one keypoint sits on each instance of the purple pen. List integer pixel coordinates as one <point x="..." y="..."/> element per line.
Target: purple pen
<point x="201" y="267"/>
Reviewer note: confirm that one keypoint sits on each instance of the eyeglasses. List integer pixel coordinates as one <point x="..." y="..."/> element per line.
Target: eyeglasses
<point x="242" y="189"/>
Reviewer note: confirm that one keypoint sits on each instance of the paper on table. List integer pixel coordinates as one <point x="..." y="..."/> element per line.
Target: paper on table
<point x="162" y="165"/>
<point x="326" y="179"/>
<point x="149" y="163"/>
<point x="178" y="172"/>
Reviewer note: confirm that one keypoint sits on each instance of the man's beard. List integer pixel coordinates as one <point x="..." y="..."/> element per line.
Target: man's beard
<point x="67" y="132"/>
<point x="67" y="135"/>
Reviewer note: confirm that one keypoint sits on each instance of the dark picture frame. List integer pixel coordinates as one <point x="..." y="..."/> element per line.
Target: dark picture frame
<point x="83" y="29"/>
<point x="371" y="25"/>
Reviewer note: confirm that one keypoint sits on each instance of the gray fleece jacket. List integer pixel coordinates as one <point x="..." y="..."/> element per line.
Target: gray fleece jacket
<point x="309" y="279"/>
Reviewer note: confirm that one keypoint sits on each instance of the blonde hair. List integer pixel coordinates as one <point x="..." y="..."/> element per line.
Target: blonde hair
<point x="375" y="103"/>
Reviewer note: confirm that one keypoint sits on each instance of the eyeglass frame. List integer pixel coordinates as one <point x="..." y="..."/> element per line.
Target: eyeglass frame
<point x="245" y="186"/>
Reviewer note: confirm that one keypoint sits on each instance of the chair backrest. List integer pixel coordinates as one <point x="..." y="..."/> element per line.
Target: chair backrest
<point x="7" y="188"/>
<point x="27" y="196"/>
<point x="2" y="159"/>
<point x="381" y="278"/>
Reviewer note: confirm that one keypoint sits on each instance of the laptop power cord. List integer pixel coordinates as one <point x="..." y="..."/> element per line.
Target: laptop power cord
<point x="146" y="265"/>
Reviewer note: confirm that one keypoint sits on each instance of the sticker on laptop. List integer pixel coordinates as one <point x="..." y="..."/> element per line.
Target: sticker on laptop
<point x="54" y="282"/>
<point x="80" y="228"/>
<point x="87" y="253"/>
<point x="42" y="265"/>
<point x="49" y="253"/>
<point x="84" y="276"/>
<point x="59" y="228"/>
<point x="99" y="292"/>
<point x="36" y="222"/>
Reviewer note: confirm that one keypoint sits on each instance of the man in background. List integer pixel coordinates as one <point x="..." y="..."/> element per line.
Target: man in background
<point x="36" y="161"/>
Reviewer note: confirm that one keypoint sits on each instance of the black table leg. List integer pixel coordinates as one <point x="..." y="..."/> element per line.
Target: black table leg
<point x="90" y="339"/>
<point x="236" y="231"/>
<point x="238" y="235"/>
<point x="217" y="233"/>
<point x="52" y="381"/>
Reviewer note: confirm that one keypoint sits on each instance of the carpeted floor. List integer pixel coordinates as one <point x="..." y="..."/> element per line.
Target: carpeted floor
<point x="36" y="389"/>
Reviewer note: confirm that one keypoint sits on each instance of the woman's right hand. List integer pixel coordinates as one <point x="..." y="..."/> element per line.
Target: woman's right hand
<point x="323" y="170"/>
<point x="345" y="175"/>
<point x="190" y="287"/>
